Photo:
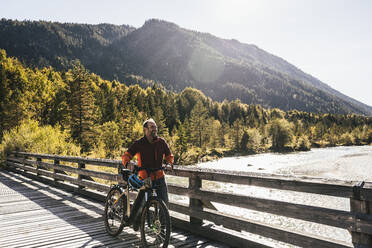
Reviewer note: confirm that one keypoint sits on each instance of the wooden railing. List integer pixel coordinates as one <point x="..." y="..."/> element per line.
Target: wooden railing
<point x="358" y="221"/>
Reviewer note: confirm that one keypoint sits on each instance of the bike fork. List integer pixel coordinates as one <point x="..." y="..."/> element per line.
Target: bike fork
<point x="128" y="202"/>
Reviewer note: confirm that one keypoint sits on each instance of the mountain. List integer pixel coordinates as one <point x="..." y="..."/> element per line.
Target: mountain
<point x="43" y="44"/>
<point x="177" y="58"/>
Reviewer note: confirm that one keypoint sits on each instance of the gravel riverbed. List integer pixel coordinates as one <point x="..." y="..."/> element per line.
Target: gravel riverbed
<point x="343" y="163"/>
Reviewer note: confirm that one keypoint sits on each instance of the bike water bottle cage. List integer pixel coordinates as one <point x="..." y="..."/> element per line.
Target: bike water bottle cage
<point x="135" y="182"/>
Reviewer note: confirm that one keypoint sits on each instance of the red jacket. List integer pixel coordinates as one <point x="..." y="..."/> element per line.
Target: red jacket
<point x="149" y="155"/>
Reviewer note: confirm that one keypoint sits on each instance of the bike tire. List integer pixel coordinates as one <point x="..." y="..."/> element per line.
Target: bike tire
<point x="114" y="216"/>
<point x="155" y="224"/>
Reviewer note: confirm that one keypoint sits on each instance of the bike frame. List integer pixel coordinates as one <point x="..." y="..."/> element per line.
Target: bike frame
<point x="143" y="214"/>
<point x="139" y="203"/>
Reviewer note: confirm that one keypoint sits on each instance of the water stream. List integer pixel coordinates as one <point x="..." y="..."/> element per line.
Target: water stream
<point x="344" y="163"/>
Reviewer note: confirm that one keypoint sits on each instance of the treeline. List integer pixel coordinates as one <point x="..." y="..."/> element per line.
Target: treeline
<point x="41" y="43"/>
<point x="101" y="118"/>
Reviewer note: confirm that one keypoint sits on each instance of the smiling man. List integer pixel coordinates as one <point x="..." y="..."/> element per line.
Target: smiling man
<point x="151" y="151"/>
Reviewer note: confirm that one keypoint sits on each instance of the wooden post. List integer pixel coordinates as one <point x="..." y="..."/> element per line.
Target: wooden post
<point x="38" y="166"/>
<point x="360" y="206"/>
<point x="55" y="171"/>
<point x="80" y="177"/>
<point x="195" y="183"/>
<point x="24" y="157"/>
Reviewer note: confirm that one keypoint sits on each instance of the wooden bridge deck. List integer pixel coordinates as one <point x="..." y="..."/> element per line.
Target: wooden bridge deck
<point x="33" y="214"/>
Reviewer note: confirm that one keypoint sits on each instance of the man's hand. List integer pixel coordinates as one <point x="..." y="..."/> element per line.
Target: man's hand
<point x="168" y="167"/>
<point x="130" y="165"/>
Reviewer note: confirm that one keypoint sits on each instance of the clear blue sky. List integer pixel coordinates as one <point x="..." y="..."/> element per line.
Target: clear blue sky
<point x="329" y="39"/>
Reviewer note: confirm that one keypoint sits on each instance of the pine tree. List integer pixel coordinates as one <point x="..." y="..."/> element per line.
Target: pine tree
<point x="82" y="108"/>
<point x="237" y="129"/>
<point x="198" y="123"/>
<point x="16" y="94"/>
<point x="160" y="122"/>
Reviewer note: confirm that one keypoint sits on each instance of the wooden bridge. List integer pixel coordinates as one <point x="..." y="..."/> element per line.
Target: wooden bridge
<point x="57" y="201"/>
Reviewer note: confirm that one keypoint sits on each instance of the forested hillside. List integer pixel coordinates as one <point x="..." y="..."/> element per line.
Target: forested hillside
<point x="176" y="58"/>
<point x="78" y="112"/>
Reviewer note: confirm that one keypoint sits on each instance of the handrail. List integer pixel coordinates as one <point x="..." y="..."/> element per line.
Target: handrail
<point x="358" y="220"/>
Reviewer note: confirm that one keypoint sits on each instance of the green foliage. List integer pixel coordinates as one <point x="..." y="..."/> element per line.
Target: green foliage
<point x="180" y="143"/>
<point x="237" y="132"/>
<point x="83" y="110"/>
<point x="199" y="125"/>
<point x="251" y="141"/>
<point x="303" y="143"/>
<point x="280" y="131"/>
<point x="347" y="139"/>
<point x="30" y="137"/>
<point x="164" y="52"/>
<point x="109" y="139"/>
<point x="42" y="110"/>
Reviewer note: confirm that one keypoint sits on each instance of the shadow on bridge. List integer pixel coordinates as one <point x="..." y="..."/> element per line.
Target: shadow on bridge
<point x="36" y="214"/>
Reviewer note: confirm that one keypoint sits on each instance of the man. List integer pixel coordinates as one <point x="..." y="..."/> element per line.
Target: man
<point x="150" y="151"/>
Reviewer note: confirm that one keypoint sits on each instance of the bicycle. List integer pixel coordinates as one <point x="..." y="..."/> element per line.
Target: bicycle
<point x="148" y="213"/>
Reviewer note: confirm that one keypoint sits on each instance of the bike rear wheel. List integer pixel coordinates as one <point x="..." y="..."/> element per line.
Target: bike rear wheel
<point x="155" y="224"/>
<point x="115" y="210"/>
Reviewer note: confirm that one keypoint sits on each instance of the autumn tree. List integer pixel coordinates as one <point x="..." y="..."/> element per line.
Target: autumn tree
<point x="82" y="108"/>
<point x="280" y="131"/>
<point x="198" y="124"/>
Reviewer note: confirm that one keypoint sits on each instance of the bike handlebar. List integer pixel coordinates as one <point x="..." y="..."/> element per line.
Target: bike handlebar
<point x="139" y="168"/>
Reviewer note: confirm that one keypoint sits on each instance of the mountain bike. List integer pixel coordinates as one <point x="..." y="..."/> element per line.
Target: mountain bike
<point x="147" y="213"/>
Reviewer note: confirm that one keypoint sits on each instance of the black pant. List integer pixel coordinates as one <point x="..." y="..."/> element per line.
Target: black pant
<point x="161" y="189"/>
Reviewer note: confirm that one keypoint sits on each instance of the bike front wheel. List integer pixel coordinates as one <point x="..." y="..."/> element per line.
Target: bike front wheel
<point x="115" y="210"/>
<point x="155" y="224"/>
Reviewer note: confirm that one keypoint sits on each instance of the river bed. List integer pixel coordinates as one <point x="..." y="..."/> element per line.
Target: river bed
<point x="344" y="163"/>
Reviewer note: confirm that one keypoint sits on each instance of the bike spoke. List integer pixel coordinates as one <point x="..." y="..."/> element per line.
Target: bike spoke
<point x="114" y="211"/>
<point x="156" y="226"/>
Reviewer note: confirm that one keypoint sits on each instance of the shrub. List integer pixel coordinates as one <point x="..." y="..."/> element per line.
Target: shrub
<point x="347" y="139"/>
<point x="280" y="131"/>
<point x="30" y="137"/>
<point x="303" y="143"/>
<point x="251" y="141"/>
<point x="109" y="139"/>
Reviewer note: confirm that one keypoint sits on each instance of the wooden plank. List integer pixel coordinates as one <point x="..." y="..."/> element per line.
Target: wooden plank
<point x="338" y="188"/>
<point x="91" y="161"/>
<point x="56" y="164"/>
<point x="361" y="208"/>
<point x="33" y="225"/>
<point x="195" y="184"/>
<point x="366" y="192"/>
<point x="263" y="229"/>
<point x="331" y="187"/>
<point x="69" y="226"/>
<point x="35" y="216"/>
<point x="216" y="235"/>
<point x="42" y="241"/>
<point x="331" y="217"/>
<point x="79" y="171"/>
<point x="36" y="235"/>
<point x="11" y="237"/>
<point x="67" y="187"/>
<point x="300" y="184"/>
<point x="93" y="185"/>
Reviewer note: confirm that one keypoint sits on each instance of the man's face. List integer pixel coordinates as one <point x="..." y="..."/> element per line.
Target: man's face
<point x="151" y="130"/>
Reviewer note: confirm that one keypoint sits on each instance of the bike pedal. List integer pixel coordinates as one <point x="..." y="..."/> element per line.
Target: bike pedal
<point x="135" y="227"/>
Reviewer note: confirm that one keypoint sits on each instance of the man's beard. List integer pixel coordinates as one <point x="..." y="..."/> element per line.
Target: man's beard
<point x="154" y="136"/>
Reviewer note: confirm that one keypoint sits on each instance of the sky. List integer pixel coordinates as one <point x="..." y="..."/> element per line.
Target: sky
<point x="328" y="39"/>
